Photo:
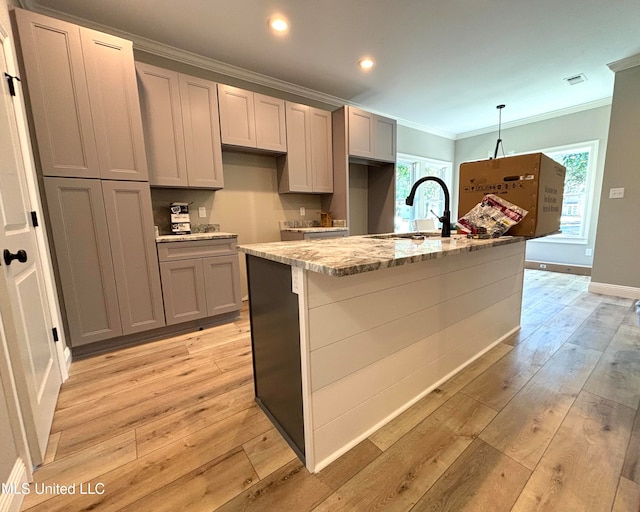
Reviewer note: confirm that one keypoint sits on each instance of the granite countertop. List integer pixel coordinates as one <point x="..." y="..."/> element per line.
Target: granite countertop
<point x="195" y="236"/>
<point x="315" y="229"/>
<point x="356" y="254"/>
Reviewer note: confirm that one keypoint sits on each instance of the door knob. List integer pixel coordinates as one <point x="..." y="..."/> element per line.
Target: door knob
<point x="21" y="256"/>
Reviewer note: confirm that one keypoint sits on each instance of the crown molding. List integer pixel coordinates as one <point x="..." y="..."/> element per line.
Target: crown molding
<point x="176" y="54"/>
<point x="540" y="117"/>
<point x="170" y="52"/>
<point x="427" y="129"/>
<point x="626" y="63"/>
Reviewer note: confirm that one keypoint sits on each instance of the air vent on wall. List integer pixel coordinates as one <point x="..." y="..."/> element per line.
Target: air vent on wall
<point x="576" y="79"/>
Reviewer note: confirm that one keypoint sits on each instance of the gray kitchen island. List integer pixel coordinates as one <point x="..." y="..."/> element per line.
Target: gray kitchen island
<point x="348" y="333"/>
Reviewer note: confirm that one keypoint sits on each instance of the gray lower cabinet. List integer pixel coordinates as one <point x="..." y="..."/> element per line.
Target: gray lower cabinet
<point x="222" y="284"/>
<point x="199" y="278"/>
<point x="135" y="262"/>
<point x="102" y="233"/>
<point x="183" y="290"/>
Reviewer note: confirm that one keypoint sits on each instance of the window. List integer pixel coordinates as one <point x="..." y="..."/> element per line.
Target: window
<point x="428" y="197"/>
<point x="580" y="161"/>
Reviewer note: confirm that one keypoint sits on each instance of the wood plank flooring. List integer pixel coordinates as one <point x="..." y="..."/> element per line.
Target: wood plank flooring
<point x="547" y="420"/>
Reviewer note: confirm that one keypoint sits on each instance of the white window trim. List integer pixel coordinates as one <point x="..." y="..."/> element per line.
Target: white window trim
<point x="593" y="146"/>
<point x="431" y="162"/>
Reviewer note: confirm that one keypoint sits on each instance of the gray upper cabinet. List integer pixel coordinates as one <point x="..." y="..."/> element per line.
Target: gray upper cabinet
<point x="85" y="108"/>
<point x="251" y="120"/>
<point x="201" y="124"/>
<point x="115" y="106"/>
<point x="105" y="250"/>
<point x="162" y="123"/>
<point x="270" y="123"/>
<point x="308" y="164"/>
<point x="181" y="127"/>
<point x="321" y="150"/>
<point x="371" y="137"/>
<point x="58" y="93"/>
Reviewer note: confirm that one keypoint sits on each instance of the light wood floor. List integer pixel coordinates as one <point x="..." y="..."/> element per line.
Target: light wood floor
<point x="547" y="420"/>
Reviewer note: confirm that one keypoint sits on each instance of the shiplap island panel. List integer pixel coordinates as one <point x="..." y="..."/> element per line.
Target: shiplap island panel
<point x="349" y="333"/>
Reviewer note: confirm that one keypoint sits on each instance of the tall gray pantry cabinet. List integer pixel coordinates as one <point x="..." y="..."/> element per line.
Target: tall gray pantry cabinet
<point x="85" y="114"/>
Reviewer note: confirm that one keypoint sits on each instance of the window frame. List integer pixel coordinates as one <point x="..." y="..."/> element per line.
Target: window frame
<point x="424" y="163"/>
<point x="592" y="146"/>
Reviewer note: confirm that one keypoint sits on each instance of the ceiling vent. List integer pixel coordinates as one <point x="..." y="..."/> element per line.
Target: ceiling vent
<point x="576" y="79"/>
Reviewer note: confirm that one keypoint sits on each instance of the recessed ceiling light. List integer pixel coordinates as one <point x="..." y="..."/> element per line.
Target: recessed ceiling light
<point x="366" y="63"/>
<point x="278" y="24"/>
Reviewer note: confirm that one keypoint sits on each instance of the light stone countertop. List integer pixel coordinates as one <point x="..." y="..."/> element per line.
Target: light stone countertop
<point x="195" y="236"/>
<point x="356" y="254"/>
<point x="315" y="230"/>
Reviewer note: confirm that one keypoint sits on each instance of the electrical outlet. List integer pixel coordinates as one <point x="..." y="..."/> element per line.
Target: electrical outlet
<point x="202" y="212"/>
<point x="616" y="193"/>
<point x="588" y="252"/>
<point x="303" y="211"/>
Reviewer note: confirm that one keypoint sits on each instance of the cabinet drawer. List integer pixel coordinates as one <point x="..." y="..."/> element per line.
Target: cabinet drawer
<point x="173" y="251"/>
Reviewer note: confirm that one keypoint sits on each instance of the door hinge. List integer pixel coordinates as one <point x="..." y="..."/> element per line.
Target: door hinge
<point x="34" y="219"/>
<point x="54" y="331"/>
<point x="10" y="79"/>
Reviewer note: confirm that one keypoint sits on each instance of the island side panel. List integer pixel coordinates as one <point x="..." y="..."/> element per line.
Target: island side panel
<point x="397" y="333"/>
<point x="275" y="342"/>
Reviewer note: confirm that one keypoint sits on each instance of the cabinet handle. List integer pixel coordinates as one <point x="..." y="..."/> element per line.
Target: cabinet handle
<point x="21" y="256"/>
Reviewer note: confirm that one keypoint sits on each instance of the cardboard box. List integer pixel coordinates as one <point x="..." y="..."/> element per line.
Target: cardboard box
<point x="534" y="182"/>
<point x="179" y="217"/>
<point x="181" y="228"/>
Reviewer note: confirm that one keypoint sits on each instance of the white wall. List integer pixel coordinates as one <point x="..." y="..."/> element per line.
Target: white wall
<point x="574" y="128"/>
<point x="618" y="244"/>
<point x="249" y="204"/>
<point x="427" y="145"/>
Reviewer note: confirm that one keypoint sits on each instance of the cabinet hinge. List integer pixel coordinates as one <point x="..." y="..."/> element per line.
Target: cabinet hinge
<point x="54" y="331"/>
<point x="34" y="219"/>
<point x="10" y="79"/>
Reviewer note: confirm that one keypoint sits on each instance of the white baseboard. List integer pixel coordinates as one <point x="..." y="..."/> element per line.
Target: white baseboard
<point x="12" y="501"/>
<point x="627" y="292"/>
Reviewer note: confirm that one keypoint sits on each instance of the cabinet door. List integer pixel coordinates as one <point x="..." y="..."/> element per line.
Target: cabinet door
<point x="133" y="250"/>
<point x="361" y="133"/>
<point x="183" y="290"/>
<point x="222" y="284"/>
<point x="321" y="150"/>
<point x="237" y="116"/>
<point x="115" y="106"/>
<point x="81" y="240"/>
<point x="297" y="163"/>
<point x="201" y="124"/>
<point x="270" y="123"/>
<point x="385" y="139"/>
<point x="55" y="79"/>
<point x="162" y="122"/>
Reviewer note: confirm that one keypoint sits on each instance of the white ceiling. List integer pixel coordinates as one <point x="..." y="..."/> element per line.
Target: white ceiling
<point x="443" y="65"/>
